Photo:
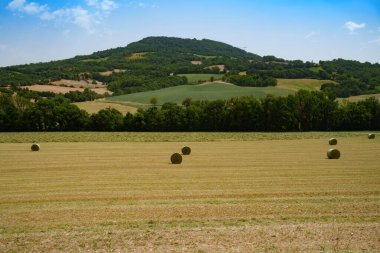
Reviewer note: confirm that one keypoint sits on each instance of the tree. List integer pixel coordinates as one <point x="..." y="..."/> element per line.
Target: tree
<point x="108" y="119"/>
<point x="153" y="101"/>
<point x="187" y="102"/>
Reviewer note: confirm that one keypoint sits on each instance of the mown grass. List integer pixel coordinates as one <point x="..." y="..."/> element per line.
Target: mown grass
<point x="280" y="195"/>
<point x="29" y="137"/>
<point x="217" y="90"/>
<point x="207" y="91"/>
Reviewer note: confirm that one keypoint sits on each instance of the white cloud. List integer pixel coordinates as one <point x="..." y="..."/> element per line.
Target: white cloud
<point x="143" y="5"/>
<point x="16" y="4"/>
<point x="87" y="19"/>
<point x="312" y="34"/>
<point x="352" y="26"/>
<point x="108" y="5"/>
<point x="28" y="8"/>
<point x="104" y="5"/>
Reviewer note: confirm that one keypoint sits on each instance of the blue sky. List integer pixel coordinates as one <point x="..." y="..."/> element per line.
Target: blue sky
<point x="313" y="30"/>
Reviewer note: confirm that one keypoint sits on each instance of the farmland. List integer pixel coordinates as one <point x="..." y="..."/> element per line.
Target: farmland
<point x="218" y="90"/>
<point x="195" y="78"/>
<point x="208" y="91"/>
<point x="96" y="106"/>
<point x="236" y="191"/>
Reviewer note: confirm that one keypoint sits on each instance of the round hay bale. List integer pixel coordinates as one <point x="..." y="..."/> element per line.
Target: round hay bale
<point x="176" y="158"/>
<point x="333" y="153"/>
<point x="333" y="141"/>
<point x="35" y="147"/>
<point x="186" y="150"/>
<point x="371" y="136"/>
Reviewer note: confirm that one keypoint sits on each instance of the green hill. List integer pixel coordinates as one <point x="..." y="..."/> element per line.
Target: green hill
<point x="203" y="47"/>
<point x="154" y="63"/>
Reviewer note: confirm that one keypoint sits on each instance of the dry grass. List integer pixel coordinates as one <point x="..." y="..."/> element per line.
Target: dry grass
<point x="137" y="56"/>
<point x="220" y="67"/>
<point x="95" y="106"/>
<point x="268" y="195"/>
<point x="79" y="84"/>
<point x="63" y="90"/>
<point x="110" y="72"/>
<point x="359" y="98"/>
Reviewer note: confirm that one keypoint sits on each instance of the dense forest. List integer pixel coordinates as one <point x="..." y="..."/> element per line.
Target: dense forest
<point x="304" y="111"/>
<point x="154" y="62"/>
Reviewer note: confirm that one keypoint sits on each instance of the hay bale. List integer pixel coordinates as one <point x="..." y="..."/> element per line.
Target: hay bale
<point x="333" y="141"/>
<point x="176" y="158"/>
<point x="333" y="153"/>
<point x="35" y="147"/>
<point x="371" y="136"/>
<point x="186" y="150"/>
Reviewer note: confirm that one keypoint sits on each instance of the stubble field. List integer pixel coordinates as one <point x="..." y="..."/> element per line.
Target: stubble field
<point x="228" y="195"/>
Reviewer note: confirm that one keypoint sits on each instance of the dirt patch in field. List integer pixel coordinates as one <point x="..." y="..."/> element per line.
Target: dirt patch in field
<point x="63" y="90"/>
<point x="196" y="62"/>
<point x="221" y="67"/>
<point x="79" y="84"/>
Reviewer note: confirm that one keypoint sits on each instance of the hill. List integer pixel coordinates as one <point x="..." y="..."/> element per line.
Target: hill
<point x="203" y="47"/>
<point x="159" y="62"/>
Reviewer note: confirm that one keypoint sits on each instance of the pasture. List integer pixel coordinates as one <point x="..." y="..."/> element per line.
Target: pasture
<point x="217" y="90"/>
<point x="195" y="78"/>
<point x="235" y="192"/>
<point x="207" y="91"/>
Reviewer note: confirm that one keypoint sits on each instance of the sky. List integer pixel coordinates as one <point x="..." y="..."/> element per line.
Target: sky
<point x="310" y="30"/>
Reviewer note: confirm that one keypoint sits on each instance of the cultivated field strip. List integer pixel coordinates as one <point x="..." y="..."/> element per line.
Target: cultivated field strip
<point x="262" y="195"/>
<point x="28" y="137"/>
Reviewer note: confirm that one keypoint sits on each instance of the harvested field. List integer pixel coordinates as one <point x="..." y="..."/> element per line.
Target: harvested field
<point x="79" y="84"/>
<point x="264" y="195"/>
<point x="95" y="106"/>
<point x="63" y="90"/>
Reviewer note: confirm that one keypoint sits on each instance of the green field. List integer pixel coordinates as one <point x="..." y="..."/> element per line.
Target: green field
<point x="218" y="90"/>
<point x="298" y="84"/>
<point x="208" y="91"/>
<point x="195" y="78"/>
<point x="233" y="193"/>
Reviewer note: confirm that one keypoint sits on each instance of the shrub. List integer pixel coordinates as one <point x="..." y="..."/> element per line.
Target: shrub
<point x="176" y="158"/>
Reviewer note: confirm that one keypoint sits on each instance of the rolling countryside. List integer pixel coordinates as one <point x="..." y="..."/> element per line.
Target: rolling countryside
<point x="170" y="144"/>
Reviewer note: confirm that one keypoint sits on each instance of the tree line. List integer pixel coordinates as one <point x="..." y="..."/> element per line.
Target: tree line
<point x="303" y="111"/>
